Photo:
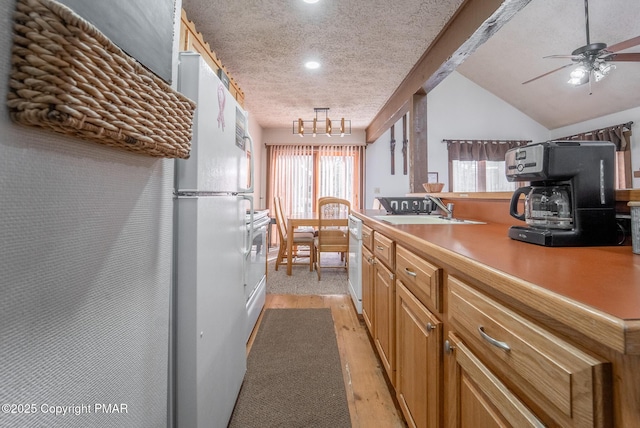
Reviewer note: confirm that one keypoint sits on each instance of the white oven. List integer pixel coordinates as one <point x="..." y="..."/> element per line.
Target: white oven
<point x="255" y="288"/>
<point x="355" y="261"/>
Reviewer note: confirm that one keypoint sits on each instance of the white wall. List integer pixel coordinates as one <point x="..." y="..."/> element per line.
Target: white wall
<point x="85" y="273"/>
<point x="459" y="109"/>
<point x="378" y="178"/>
<point x="456" y="109"/>
<point x="632" y="115"/>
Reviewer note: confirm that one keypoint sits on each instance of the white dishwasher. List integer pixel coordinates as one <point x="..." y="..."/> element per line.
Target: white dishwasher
<point x="355" y="261"/>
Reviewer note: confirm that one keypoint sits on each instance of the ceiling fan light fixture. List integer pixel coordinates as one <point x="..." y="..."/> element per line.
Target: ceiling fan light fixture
<point x="597" y="75"/>
<point x="602" y="70"/>
<point x="594" y="57"/>
<point x="579" y="76"/>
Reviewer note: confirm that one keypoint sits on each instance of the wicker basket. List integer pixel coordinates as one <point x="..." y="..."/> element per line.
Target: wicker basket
<point x="67" y="76"/>
<point x="433" y="187"/>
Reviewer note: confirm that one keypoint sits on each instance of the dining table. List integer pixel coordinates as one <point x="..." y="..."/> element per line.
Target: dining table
<point x="295" y="221"/>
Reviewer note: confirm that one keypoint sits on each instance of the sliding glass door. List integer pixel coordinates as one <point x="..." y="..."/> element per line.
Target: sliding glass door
<point x="301" y="174"/>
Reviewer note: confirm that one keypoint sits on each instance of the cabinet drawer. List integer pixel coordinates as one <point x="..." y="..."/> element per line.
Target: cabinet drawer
<point x="367" y="237"/>
<point x="422" y="278"/>
<point x="571" y="386"/>
<point x="383" y="249"/>
<point x="482" y="398"/>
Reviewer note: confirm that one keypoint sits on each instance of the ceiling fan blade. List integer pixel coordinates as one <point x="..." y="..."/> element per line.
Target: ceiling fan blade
<point x="630" y="57"/>
<point x="624" y="45"/>
<point x="563" y="56"/>
<point x="548" y="73"/>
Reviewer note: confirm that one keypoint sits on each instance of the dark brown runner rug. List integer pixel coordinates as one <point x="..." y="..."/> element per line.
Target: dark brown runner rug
<point x="294" y="375"/>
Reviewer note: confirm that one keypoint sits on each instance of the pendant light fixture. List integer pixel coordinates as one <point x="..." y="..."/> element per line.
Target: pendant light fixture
<point x="321" y="125"/>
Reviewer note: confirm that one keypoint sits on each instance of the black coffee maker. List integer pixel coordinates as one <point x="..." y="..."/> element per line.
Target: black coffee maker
<point x="571" y="199"/>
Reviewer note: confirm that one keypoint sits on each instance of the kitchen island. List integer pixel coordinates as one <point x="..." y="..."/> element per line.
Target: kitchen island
<point x="452" y="286"/>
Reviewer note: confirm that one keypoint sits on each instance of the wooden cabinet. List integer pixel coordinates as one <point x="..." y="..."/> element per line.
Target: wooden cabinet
<point x="418" y="360"/>
<point x="384" y="317"/>
<point x="567" y="386"/>
<point x="378" y="295"/>
<point x="419" y="373"/>
<point x="507" y="364"/>
<point x="476" y="397"/>
<point x="367" y="288"/>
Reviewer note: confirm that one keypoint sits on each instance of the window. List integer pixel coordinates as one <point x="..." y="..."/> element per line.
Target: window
<point x="302" y="174"/>
<point x="620" y="135"/>
<point x="480" y="176"/>
<point x="478" y="166"/>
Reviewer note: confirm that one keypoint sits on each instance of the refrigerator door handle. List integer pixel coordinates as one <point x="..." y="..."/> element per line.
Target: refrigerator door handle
<point x="249" y="235"/>
<point x="249" y="189"/>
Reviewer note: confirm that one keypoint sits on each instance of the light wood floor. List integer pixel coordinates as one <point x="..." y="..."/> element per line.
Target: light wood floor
<point x="370" y="402"/>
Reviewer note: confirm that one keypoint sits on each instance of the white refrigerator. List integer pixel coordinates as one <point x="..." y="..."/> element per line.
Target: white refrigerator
<point x="212" y="190"/>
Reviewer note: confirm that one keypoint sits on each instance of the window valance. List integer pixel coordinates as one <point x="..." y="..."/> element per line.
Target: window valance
<point x="620" y="135"/>
<point x="481" y="150"/>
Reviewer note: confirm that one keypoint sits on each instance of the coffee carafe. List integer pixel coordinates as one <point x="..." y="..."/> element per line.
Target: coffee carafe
<point x="571" y="197"/>
<point x="545" y="207"/>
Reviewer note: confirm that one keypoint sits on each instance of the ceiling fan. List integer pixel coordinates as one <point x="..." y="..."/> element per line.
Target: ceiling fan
<point x="594" y="59"/>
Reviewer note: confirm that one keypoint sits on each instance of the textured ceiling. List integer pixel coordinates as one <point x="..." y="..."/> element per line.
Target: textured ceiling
<point x="367" y="47"/>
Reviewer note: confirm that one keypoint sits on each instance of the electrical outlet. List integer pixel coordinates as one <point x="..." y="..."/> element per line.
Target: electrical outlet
<point x="376" y="190"/>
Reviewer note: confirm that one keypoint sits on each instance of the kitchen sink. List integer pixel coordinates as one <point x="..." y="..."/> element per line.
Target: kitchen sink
<point x="423" y="219"/>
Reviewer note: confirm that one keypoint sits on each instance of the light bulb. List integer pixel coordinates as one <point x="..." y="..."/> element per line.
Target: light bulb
<point x="579" y="76"/>
<point x="578" y="72"/>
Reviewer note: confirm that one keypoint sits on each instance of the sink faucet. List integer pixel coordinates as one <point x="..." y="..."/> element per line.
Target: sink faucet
<point x="447" y="210"/>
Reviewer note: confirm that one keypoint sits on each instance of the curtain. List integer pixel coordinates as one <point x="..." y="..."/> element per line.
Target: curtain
<point x="481" y="150"/>
<point x="620" y="135"/>
<point x="300" y="174"/>
<point x="338" y="172"/>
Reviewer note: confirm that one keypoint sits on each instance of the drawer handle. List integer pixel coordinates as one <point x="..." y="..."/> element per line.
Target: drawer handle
<point x="494" y="342"/>
<point x="379" y="248"/>
<point x="430" y="327"/>
<point x="448" y="347"/>
<point x="410" y="273"/>
<point x="365" y="235"/>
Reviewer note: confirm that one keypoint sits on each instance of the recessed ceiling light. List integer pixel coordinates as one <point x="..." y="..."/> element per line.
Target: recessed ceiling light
<point x="312" y="65"/>
<point x="311" y="1"/>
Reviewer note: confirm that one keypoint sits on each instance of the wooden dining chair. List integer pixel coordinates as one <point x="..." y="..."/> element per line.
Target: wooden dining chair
<point x="332" y="238"/>
<point x="300" y="239"/>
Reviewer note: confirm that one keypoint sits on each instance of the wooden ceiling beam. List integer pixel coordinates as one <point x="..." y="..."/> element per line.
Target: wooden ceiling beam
<point x="472" y="25"/>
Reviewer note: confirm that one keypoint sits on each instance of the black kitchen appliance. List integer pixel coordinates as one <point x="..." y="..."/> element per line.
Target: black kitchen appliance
<point x="578" y="173"/>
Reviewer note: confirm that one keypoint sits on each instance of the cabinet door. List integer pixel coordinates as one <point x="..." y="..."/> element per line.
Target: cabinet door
<point x="476" y="397"/>
<point x="384" y="317"/>
<point x="418" y="360"/>
<point x="367" y="288"/>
